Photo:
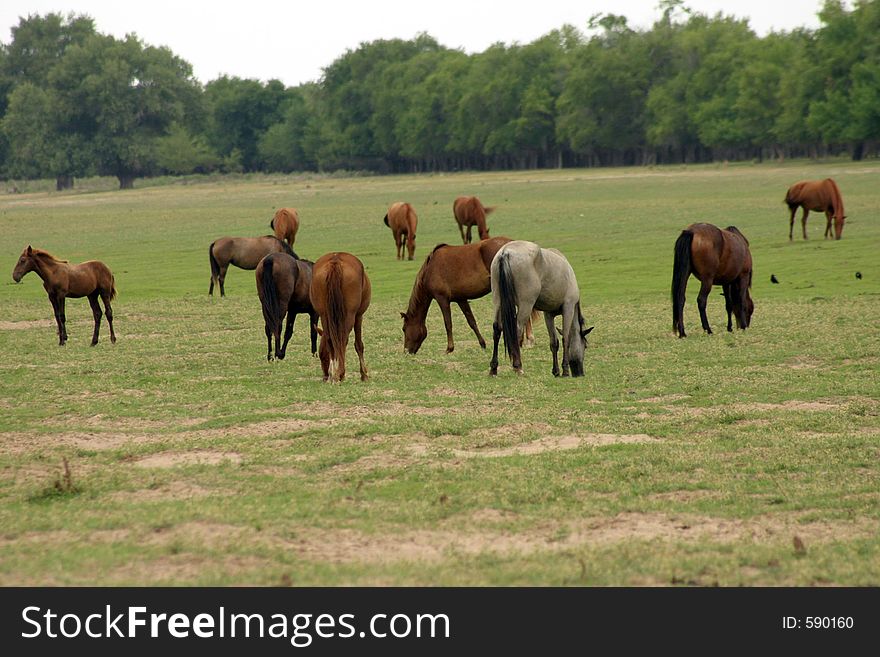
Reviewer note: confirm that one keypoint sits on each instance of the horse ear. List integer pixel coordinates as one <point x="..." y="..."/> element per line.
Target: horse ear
<point x="585" y="332"/>
<point x="30" y="251"/>
<point x="559" y="330"/>
<point x="403" y="315"/>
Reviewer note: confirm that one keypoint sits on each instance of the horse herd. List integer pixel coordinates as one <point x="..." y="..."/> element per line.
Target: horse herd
<point x="523" y="277"/>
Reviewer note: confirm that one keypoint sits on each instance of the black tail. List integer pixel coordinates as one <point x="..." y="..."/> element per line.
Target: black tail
<point x="507" y="292"/>
<point x="215" y="267"/>
<point x="681" y="269"/>
<point x="269" y="297"/>
<point x="386" y="220"/>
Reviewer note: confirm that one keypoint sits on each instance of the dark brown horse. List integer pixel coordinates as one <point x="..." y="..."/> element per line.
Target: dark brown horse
<point x="821" y="196"/>
<point x="715" y="257"/>
<point x="283" y="287"/>
<point x="61" y="280"/>
<point x="450" y="274"/>
<point x="243" y="252"/>
<point x="469" y="212"/>
<point x="340" y="293"/>
<point x="402" y="220"/>
<point x="285" y="223"/>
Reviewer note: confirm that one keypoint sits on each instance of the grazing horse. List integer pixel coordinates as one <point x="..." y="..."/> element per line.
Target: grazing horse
<point x="470" y="212"/>
<point x="285" y="223"/>
<point x="715" y="257"/>
<point x="283" y="287"/>
<point x="526" y="277"/>
<point x="821" y="196"/>
<point x="340" y="293"/>
<point x="61" y="280"/>
<point x="243" y="252"/>
<point x="450" y="274"/>
<point x="402" y="220"/>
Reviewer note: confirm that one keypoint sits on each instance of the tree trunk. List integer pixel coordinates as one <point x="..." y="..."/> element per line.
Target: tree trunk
<point x="126" y="181"/>
<point x="63" y="182"/>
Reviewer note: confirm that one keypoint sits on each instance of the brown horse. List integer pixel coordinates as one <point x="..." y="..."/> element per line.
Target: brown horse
<point x="243" y="252"/>
<point x="340" y="293"/>
<point x="61" y="280"/>
<point x="402" y="220"/>
<point x="285" y="223"/>
<point x="715" y="257"/>
<point x="821" y="196"/>
<point x="283" y="287"/>
<point x="450" y="274"/>
<point x="469" y="212"/>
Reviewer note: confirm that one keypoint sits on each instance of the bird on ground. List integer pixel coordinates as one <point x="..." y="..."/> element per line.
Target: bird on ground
<point x="859" y="275"/>
<point x="773" y="279"/>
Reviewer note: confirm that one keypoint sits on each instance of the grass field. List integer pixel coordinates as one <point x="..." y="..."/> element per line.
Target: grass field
<point x="750" y="458"/>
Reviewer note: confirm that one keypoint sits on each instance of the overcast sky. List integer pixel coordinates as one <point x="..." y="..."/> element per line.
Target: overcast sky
<point x="292" y="41"/>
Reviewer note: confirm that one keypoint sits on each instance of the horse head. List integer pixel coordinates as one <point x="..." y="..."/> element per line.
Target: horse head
<point x="24" y="265"/>
<point x="839" y="220"/>
<point x="414" y="333"/>
<point x="578" y="347"/>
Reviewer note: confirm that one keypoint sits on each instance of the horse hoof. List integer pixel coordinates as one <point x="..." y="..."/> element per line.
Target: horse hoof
<point x="449" y="350"/>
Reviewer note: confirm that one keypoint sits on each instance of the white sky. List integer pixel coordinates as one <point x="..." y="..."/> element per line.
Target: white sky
<point x="292" y="41"/>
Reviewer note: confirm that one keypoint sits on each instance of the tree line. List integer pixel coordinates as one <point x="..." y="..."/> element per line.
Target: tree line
<point x="691" y="88"/>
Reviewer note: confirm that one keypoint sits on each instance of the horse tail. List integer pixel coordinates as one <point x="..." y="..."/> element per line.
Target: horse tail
<point x="507" y="310"/>
<point x="269" y="296"/>
<point x="386" y="220"/>
<point x="335" y="328"/>
<point x="215" y="266"/>
<point x="681" y="269"/>
<point x="112" y="287"/>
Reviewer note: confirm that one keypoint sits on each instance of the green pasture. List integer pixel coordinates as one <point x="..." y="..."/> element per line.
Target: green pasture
<point x="750" y="458"/>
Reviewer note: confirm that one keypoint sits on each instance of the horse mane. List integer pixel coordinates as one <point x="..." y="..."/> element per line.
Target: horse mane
<point x="420" y="290"/>
<point x="837" y="198"/>
<point x="736" y="231"/>
<point x="285" y="247"/>
<point x="44" y="253"/>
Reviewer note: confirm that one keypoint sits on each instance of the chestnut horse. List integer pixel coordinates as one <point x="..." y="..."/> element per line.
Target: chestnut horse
<point x="340" y="293"/>
<point x="821" y="196"/>
<point x="283" y="287"/>
<point x="450" y="274"/>
<point x="285" y="223"/>
<point x="525" y="278"/>
<point x="61" y="280"/>
<point x="715" y="257"/>
<point x="243" y="252"/>
<point x="470" y="212"/>
<point x="402" y="220"/>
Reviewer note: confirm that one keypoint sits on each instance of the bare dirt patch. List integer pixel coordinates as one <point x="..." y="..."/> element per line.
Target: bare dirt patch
<point x="175" y="490"/>
<point x="174" y="459"/>
<point x="557" y="443"/>
<point x="28" y="324"/>
<point x="347" y="545"/>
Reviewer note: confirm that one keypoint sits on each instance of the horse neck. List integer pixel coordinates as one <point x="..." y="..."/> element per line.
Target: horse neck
<point x="45" y="266"/>
<point x="420" y="299"/>
<point x="481" y="225"/>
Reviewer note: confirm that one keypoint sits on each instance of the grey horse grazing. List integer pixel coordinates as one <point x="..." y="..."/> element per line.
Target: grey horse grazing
<point x="526" y="277"/>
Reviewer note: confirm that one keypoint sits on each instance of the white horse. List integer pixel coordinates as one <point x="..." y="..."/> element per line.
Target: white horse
<point x="526" y="277"/>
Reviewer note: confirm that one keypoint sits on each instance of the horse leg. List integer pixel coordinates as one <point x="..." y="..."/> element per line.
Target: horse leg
<point x="530" y="333"/>
<point x="359" y="345"/>
<point x="443" y="302"/>
<point x="523" y="313"/>
<point x="108" y="313"/>
<point x="63" y="319"/>
<point x="705" y="289"/>
<point x="291" y="318"/>
<point x="469" y="316"/>
<point x="827" y="224"/>
<point x="496" y="335"/>
<point x="268" y="330"/>
<point x="728" y="303"/>
<point x="804" y="221"/>
<point x="96" y="312"/>
<point x="567" y="323"/>
<point x="469" y="238"/>
<point x="222" y="279"/>
<point x="398" y="242"/>
<point x="461" y="230"/>
<point x="55" y="312"/>
<point x="313" y="332"/>
<point x="554" y="342"/>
